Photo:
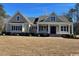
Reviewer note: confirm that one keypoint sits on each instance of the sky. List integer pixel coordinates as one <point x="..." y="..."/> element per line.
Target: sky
<point x="37" y="9"/>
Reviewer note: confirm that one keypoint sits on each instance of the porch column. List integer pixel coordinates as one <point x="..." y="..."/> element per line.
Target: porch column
<point x="72" y="28"/>
<point x="59" y="29"/>
<point x="37" y="28"/>
<point x="69" y="29"/>
<point x="29" y="27"/>
<point x="49" y="28"/>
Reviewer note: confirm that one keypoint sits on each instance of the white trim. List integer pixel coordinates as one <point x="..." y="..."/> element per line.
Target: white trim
<point x="55" y="23"/>
<point x="17" y="23"/>
<point x="59" y="29"/>
<point x="72" y="28"/>
<point x="69" y="29"/>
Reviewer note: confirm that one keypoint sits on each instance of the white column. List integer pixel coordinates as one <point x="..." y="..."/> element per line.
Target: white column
<point x="59" y="29"/>
<point x="29" y="26"/>
<point x="49" y="28"/>
<point x="69" y="29"/>
<point x="72" y="28"/>
<point x="37" y="28"/>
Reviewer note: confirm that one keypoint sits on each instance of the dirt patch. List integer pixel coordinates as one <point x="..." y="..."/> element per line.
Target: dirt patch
<point x="23" y="45"/>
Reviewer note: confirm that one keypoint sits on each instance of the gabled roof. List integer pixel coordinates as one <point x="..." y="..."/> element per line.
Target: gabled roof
<point x="25" y="19"/>
<point x="31" y="19"/>
<point x="57" y="18"/>
<point x="63" y="18"/>
<point x="42" y="18"/>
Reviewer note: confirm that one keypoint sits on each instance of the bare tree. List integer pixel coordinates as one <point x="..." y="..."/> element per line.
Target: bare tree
<point x="2" y="16"/>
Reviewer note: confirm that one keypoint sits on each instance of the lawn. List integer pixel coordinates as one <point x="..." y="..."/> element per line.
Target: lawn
<point x="38" y="46"/>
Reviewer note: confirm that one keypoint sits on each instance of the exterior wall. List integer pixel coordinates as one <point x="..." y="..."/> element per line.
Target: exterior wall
<point x="63" y="32"/>
<point x="21" y="24"/>
<point x="25" y="27"/>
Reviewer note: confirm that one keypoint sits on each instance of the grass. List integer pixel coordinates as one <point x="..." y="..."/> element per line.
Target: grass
<point x="38" y="46"/>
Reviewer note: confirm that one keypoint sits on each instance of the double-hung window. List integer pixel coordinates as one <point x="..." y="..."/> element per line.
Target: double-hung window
<point x="18" y="18"/>
<point x="16" y="28"/>
<point x="64" y="28"/>
<point x="52" y="18"/>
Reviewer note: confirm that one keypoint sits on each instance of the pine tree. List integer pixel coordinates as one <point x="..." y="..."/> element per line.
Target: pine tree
<point x="77" y="11"/>
<point x="72" y="14"/>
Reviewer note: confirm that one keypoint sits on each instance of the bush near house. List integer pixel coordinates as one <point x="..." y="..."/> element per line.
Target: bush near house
<point x="43" y="34"/>
<point x="70" y="36"/>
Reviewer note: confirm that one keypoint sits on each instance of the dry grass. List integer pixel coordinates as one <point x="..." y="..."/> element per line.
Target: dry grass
<point x="22" y="45"/>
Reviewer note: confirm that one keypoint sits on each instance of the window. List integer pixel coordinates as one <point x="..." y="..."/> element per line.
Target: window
<point x="16" y="28"/>
<point x="20" y="28"/>
<point x="43" y="28"/>
<point x="61" y="28"/>
<point x="18" y="18"/>
<point x="53" y="18"/>
<point x="12" y="27"/>
<point x="64" y="28"/>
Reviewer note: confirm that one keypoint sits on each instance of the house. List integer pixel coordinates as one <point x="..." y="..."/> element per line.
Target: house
<point x="47" y="24"/>
<point x="53" y="24"/>
<point x="18" y="23"/>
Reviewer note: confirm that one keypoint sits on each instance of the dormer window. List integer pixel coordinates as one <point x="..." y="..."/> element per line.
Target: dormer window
<point x="18" y="18"/>
<point x="53" y="18"/>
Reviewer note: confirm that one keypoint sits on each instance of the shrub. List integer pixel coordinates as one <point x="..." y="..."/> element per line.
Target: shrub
<point x="69" y="36"/>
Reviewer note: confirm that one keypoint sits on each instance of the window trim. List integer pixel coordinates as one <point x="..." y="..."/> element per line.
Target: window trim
<point x="18" y="18"/>
<point x="53" y="18"/>
<point x="16" y="28"/>
<point x="64" y="28"/>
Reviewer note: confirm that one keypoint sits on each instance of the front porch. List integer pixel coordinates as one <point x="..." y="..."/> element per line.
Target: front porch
<point x="55" y="28"/>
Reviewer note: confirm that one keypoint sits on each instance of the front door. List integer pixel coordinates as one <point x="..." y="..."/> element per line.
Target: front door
<point x="53" y="29"/>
